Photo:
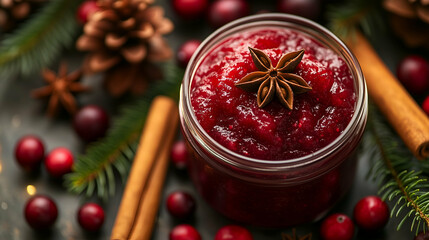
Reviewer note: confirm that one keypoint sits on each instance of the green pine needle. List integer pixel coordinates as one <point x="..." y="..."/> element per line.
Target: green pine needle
<point x="345" y="19"/>
<point x="40" y="39"/>
<point x="94" y="172"/>
<point x="395" y="170"/>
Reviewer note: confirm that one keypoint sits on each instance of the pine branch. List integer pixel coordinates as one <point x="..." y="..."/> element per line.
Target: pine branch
<point x="395" y="171"/>
<point x="344" y="20"/>
<point x="93" y="173"/>
<point x="40" y="39"/>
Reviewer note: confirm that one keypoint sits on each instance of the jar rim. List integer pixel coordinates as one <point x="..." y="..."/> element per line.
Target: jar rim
<point x="238" y="25"/>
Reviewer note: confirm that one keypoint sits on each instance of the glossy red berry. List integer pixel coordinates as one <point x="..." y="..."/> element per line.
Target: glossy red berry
<point x="184" y="232"/>
<point x="59" y="162"/>
<point x="85" y="10"/>
<point x="186" y="51"/>
<point x="222" y="12"/>
<point x="337" y="226"/>
<point x="181" y="204"/>
<point x="413" y="72"/>
<point x="371" y="213"/>
<point x="190" y="9"/>
<point x="91" y="123"/>
<point x="425" y="105"/>
<point x="422" y="236"/>
<point x="179" y="155"/>
<point x="29" y="152"/>
<point x="233" y="232"/>
<point x="40" y="212"/>
<point x="90" y="217"/>
<point x="305" y="8"/>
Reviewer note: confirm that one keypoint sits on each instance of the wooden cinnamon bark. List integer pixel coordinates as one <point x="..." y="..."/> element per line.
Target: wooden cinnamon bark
<point x="403" y="113"/>
<point x="140" y="201"/>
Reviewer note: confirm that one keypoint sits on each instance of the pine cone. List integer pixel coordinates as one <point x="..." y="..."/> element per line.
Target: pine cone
<point x="410" y="20"/>
<point x="14" y="11"/>
<point x="133" y="78"/>
<point x="125" y="30"/>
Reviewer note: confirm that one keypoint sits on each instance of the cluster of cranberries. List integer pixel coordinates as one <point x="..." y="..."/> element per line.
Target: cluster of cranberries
<point x="228" y="232"/>
<point x="218" y="12"/>
<point x="90" y="123"/>
<point x="41" y="212"/>
<point x="370" y="214"/>
<point x="182" y="205"/>
<point x="30" y="153"/>
<point x="221" y="12"/>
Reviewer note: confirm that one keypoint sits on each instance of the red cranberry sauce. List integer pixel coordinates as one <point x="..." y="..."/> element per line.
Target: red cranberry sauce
<point x="231" y="116"/>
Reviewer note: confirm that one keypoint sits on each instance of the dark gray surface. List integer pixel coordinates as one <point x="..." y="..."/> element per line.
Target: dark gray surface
<point x="22" y="115"/>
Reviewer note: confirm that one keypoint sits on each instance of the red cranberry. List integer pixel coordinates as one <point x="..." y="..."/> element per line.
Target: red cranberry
<point x="233" y="232"/>
<point x="190" y="9"/>
<point x="337" y="227"/>
<point x="306" y="8"/>
<point x="85" y="10"/>
<point x="91" y="123"/>
<point x="179" y="154"/>
<point x="422" y="236"/>
<point x="91" y="217"/>
<point x="29" y="152"/>
<point x="333" y="1"/>
<point x="40" y="212"/>
<point x="186" y="51"/>
<point x="425" y="105"/>
<point x="222" y="12"/>
<point x="371" y="213"/>
<point x="181" y="204"/>
<point x="59" y="162"/>
<point x="413" y="72"/>
<point x="184" y="232"/>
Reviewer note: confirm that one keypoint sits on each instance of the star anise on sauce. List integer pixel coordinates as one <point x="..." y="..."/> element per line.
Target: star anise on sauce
<point x="60" y="89"/>
<point x="295" y="237"/>
<point x="274" y="81"/>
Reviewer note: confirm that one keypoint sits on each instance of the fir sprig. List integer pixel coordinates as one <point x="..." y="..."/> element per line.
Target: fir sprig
<point x="343" y="20"/>
<point x="93" y="173"/>
<point x="395" y="171"/>
<point x="40" y="39"/>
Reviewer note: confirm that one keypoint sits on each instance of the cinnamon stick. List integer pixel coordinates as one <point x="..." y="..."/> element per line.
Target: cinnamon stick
<point x="403" y="113"/>
<point x="140" y="199"/>
<point x="149" y="207"/>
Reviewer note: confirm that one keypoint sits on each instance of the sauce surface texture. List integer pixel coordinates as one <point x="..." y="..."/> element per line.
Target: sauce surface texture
<point x="231" y="116"/>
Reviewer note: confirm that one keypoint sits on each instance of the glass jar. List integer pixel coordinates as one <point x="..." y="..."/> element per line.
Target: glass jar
<point x="273" y="193"/>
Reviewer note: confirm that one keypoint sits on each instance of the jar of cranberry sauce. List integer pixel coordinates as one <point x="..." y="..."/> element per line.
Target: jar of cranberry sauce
<point x="273" y="166"/>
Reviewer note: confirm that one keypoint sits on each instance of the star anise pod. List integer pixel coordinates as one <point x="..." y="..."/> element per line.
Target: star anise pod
<point x="274" y="81"/>
<point x="295" y="237"/>
<point x="60" y="89"/>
